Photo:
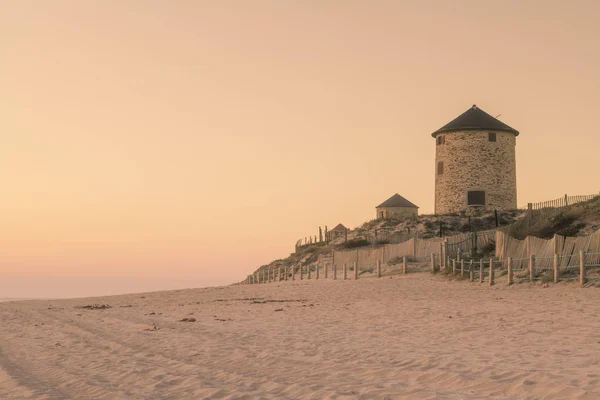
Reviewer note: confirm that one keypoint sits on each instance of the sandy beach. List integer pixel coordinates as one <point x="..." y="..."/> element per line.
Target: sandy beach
<point x="409" y="337"/>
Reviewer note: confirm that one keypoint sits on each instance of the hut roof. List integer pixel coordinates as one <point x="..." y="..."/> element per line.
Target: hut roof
<point x="340" y="227"/>
<point x="475" y="119"/>
<point x="397" y="201"/>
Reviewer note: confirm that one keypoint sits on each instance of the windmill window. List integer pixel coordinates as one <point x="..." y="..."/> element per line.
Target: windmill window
<point x="492" y="136"/>
<point x="476" y="198"/>
<point x="440" y="167"/>
<point x="441" y="139"/>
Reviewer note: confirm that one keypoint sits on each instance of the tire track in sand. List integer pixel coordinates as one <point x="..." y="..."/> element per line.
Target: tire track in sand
<point x="24" y="377"/>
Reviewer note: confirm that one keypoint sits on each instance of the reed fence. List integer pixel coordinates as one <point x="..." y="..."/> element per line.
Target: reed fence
<point x="534" y="259"/>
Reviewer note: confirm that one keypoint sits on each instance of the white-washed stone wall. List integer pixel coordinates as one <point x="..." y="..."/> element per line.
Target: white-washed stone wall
<point x="472" y="162"/>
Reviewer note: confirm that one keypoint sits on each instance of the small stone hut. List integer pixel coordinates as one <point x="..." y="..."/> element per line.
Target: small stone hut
<point x="338" y="231"/>
<point x="396" y="207"/>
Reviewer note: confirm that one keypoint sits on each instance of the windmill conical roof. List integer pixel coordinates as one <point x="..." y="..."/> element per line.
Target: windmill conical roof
<point x="475" y="119"/>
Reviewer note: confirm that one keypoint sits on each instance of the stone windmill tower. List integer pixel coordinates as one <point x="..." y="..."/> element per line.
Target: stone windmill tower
<point x="475" y="164"/>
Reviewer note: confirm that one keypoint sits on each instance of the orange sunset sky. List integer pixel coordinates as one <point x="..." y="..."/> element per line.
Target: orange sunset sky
<point x="154" y="145"/>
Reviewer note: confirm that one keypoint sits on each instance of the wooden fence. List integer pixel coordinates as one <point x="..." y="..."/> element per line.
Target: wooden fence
<point x="412" y="253"/>
<point x="534" y="259"/>
<point x="545" y="249"/>
<point x="342" y="272"/>
<point x="582" y="267"/>
<point x="554" y="254"/>
<point x="561" y="202"/>
<point x="546" y="209"/>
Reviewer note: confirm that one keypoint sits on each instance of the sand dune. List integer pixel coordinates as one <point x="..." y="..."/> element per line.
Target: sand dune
<point x="410" y="337"/>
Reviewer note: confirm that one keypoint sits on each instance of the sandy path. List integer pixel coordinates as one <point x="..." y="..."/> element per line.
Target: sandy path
<point x="417" y="337"/>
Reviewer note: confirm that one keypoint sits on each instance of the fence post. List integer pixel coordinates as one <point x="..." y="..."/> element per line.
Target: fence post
<point x="279" y="274"/>
<point x="415" y="244"/>
<point x="334" y="272"/>
<point x="301" y="272"/>
<point x="308" y="273"/>
<point x="491" y="272"/>
<point x="531" y="268"/>
<point x="453" y="267"/>
<point x="462" y="268"/>
<point x="293" y="273"/>
<point x="345" y="271"/>
<point x="379" y="268"/>
<point x="355" y="270"/>
<point x="471" y="271"/>
<point x="317" y="271"/>
<point x="404" y="265"/>
<point x="446" y="256"/>
<point x="325" y="266"/>
<point x="432" y="263"/>
<point x="581" y="268"/>
<point x="510" y="271"/>
<point x="481" y="271"/>
<point x="441" y="255"/>
<point x="555" y="268"/>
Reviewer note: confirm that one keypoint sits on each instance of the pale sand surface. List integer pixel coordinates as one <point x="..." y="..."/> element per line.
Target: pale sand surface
<point x="413" y="337"/>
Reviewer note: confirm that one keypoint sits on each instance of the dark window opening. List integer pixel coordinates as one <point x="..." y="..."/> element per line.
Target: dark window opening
<point x="476" y="198"/>
<point x="492" y="136"/>
<point x="440" y="167"/>
<point x="441" y="140"/>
